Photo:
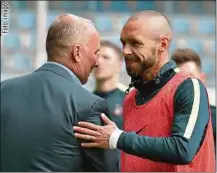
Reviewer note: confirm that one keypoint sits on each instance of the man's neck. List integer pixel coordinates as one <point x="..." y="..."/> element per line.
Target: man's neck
<point x="64" y="61"/>
<point x="106" y="85"/>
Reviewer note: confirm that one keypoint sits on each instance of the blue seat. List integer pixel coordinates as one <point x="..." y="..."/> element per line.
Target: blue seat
<point x="196" y="6"/>
<point x="145" y="5"/>
<point x="74" y="5"/>
<point x="100" y="6"/>
<point x="206" y="26"/>
<point x="103" y="23"/>
<point x="11" y="41"/>
<point x="27" y="19"/>
<point x="120" y="6"/>
<point x="22" y="61"/>
<point x="208" y="65"/>
<point x="65" y="5"/>
<point x="195" y="44"/>
<point x="18" y="4"/>
<point x="180" y="25"/>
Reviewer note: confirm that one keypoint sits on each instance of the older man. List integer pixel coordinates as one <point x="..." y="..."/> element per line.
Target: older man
<point x="38" y="110"/>
<point x="166" y="117"/>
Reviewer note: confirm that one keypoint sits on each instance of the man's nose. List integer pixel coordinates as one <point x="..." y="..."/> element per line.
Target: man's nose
<point x="126" y="51"/>
<point x="98" y="61"/>
<point x="96" y="65"/>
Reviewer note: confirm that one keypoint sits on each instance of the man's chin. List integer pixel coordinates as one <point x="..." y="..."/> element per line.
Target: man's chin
<point x="132" y="74"/>
<point x="99" y="77"/>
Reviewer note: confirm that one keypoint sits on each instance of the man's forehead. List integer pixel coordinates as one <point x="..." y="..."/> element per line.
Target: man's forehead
<point x="131" y="26"/>
<point x="106" y="49"/>
<point x="133" y="29"/>
<point x="131" y="32"/>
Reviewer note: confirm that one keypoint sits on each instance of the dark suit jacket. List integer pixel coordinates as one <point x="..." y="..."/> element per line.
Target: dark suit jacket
<point x="38" y="112"/>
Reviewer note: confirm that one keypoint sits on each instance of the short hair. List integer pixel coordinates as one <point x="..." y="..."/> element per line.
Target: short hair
<point x="184" y="55"/>
<point x="106" y="43"/>
<point x="151" y="13"/>
<point x="61" y="35"/>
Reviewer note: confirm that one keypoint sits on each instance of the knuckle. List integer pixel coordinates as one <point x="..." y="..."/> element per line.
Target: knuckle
<point x="100" y="129"/>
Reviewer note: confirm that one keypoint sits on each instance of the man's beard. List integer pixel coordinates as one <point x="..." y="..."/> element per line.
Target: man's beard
<point x="141" y="68"/>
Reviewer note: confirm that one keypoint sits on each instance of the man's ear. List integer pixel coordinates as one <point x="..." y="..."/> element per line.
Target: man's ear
<point x="203" y="77"/>
<point x="120" y="65"/>
<point x="164" y="44"/>
<point x="76" y="51"/>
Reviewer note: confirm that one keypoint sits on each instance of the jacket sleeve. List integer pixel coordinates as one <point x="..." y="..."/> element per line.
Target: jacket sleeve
<point x="190" y="120"/>
<point x="96" y="159"/>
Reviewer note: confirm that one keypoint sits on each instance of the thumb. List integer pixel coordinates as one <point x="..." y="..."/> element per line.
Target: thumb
<point x="106" y="120"/>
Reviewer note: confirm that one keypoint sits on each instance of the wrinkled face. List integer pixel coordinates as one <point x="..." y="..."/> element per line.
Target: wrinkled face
<point x="109" y="64"/>
<point x="191" y="69"/>
<point x="139" y="50"/>
<point x="89" y="56"/>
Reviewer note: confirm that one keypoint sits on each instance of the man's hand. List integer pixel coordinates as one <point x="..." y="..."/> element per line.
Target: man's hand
<point x="99" y="135"/>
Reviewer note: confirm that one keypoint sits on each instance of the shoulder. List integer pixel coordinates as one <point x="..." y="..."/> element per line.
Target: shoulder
<point x="191" y="84"/>
<point x="86" y="95"/>
<point x="15" y="81"/>
<point x="122" y="87"/>
<point x="88" y="100"/>
<point x="120" y="93"/>
<point x="89" y="105"/>
<point x="190" y="91"/>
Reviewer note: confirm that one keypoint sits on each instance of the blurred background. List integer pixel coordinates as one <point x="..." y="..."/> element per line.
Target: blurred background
<point x="23" y="48"/>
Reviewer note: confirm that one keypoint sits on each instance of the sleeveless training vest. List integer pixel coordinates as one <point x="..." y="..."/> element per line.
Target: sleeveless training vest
<point x="155" y="119"/>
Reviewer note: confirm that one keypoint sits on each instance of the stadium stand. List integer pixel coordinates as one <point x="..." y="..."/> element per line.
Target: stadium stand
<point x="193" y="23"/>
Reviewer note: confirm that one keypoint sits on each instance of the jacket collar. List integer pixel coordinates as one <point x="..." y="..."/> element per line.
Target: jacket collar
<point x="60" y="70"/>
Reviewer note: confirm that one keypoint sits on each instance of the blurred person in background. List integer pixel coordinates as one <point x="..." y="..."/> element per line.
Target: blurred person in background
<point x="107" y="75"/>
<point x="189" y="61"/>
<point x="167" y="124"/>
<point x="38" y="110"/>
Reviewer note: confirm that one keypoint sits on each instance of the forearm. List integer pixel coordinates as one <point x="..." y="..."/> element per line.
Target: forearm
<point x="170" y="149"/>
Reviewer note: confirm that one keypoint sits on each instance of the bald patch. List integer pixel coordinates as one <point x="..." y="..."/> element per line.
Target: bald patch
<point x="68" y="18"/>
<point x="67" y="30"/>
<point x="79" y="27"/>
<point x="156" y="24"/>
